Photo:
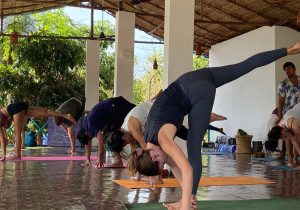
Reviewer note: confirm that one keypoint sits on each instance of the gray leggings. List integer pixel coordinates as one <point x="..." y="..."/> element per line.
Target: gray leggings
<point x="200" y="87"/>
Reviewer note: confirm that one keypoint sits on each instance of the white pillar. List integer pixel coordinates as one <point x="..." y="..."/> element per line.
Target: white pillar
<point x="178" y="43"/>
<point x="92" y="74"/>
<point x="178" y="39"/>
<point x="124" y="56"/>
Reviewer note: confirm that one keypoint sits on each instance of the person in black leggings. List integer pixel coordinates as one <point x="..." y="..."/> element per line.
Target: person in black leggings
<point x="193" y="93"/>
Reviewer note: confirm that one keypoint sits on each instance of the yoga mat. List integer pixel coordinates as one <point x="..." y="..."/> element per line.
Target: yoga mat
<point x="55" y="158"/>
<point x="257" y="204"/>
<point x="205" y="182"/>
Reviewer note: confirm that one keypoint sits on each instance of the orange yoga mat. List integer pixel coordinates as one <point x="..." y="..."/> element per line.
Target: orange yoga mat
<point x="205" y="182"/>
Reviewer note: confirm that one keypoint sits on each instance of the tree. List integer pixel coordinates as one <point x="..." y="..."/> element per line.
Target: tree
<point x="200" y="62"/>
<point x="149" y="84"/>
<point x="53" y="70"/>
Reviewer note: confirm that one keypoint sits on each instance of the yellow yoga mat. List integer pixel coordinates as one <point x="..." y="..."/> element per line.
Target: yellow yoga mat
<point x="205" y="182"/>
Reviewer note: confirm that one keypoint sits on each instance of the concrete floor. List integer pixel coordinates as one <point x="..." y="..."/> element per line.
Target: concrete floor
<point x="68" y="185"/>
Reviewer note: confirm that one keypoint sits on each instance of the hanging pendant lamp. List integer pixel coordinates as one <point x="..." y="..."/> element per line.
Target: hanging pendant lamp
<point x="14" y="38"/>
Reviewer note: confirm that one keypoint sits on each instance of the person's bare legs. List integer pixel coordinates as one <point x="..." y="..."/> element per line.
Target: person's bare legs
<point x="23" y="138"/>
<point x="216" y="117"/>
<point x="71" y="135"/>
<point x="18" y="120"/>
<point x="4" y="142"/>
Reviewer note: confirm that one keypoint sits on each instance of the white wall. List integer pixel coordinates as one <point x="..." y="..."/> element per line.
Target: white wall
<point x="249" y="101"/>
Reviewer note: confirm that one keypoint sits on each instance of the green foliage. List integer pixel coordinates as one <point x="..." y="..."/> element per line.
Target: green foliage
<point x="148" y="85"/>
<point x="50" y="57"/>
<point x="50" y="71"/>
<point x="200" y="62"/>
<point x="138" y="91"/>
<point x="106" y="74"/>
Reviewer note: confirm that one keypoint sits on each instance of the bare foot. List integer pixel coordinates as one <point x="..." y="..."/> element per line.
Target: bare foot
<point x="71" y="151"/>
<point x="295" y="49"/>
<point x="2" y="158"/>
<point x="13" y="157"/>
<point x="173" y="206"/>
<point x="216" y="117"/>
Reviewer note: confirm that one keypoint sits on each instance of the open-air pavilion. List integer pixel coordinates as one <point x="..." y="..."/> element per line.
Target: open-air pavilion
<point x="229" y="31"/>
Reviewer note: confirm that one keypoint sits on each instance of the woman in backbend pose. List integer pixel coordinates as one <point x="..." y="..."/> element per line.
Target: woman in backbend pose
<point x="18" y="113"/>
<point x="192" y="93"/>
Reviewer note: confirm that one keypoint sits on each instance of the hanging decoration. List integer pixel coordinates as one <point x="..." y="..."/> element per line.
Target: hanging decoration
<point x="14" y="38"/>
<point x="155" y="65"/>
<point x="199" y="50"/>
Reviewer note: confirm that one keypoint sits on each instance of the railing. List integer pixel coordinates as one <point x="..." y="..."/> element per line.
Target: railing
<point x="37" y="128"/>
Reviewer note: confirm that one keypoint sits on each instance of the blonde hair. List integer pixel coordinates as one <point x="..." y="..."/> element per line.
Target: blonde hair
<point x="142" y="163"/>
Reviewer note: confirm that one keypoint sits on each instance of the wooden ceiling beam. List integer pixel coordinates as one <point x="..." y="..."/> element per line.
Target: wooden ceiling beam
<point x="210" y="19"/>
<point x="279" y="6"/>
<point x="253" y="11"/>
<point x="61" y="4"/>
<point x="234" y="23"/>
<point x="162" y="9"/>
<point x="235" y="17"/>
<point x="31" y="11"/>
<point x="212" y="32"/>
<point x="204" y="36"/>
<point x="75" y="37"/>
<point x="143" y="19"/>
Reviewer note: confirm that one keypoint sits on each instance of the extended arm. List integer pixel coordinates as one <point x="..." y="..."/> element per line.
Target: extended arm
<point x="134" y="126"/>
<point x="101" y="151"/>
<point x="165" y="139"/>
<point x="88" y="149"/>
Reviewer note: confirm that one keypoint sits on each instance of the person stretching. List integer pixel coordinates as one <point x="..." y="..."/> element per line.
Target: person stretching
<point x="192" y="93"/>
<point x="18" y="113"/>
